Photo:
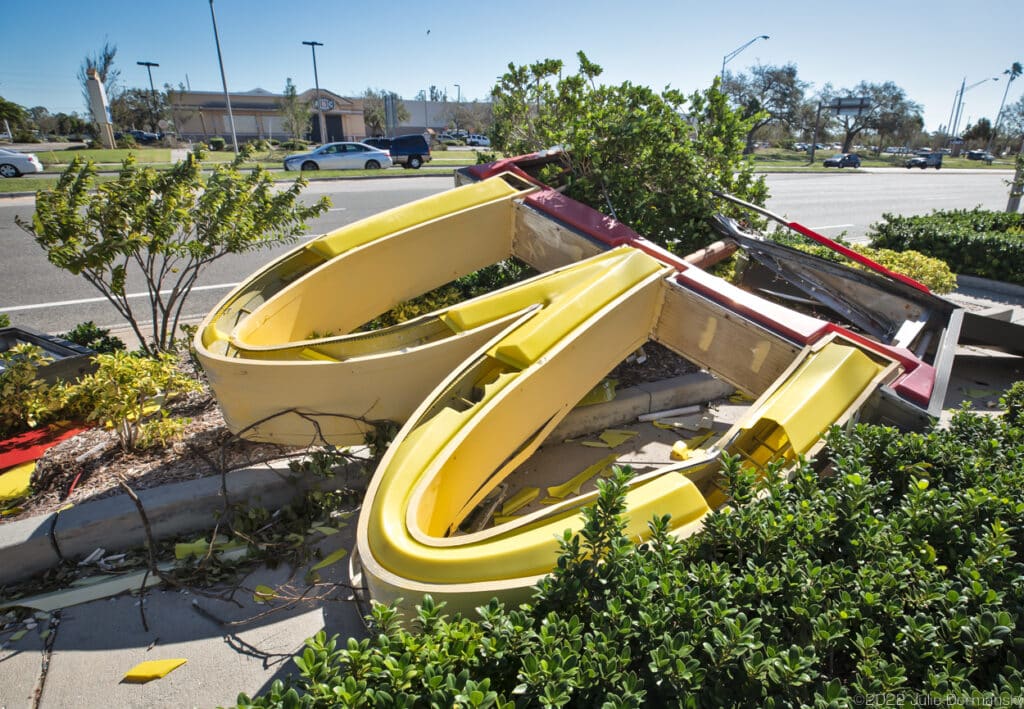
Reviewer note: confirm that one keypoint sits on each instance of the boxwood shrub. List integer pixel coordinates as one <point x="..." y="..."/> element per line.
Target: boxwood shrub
<point x="975" y="242"/>
<point x="892" y="577"/>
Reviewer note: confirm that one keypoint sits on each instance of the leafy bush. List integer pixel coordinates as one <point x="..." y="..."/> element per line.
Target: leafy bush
<point x="25" y="400"/>
<point x="5" y="320"/>
<point x="932" y="272"/>
<point x="893" y="578"/>
<point x="217" y="143"/>
<point x="976" y="242"/>
<point x="98" y="339"/>
<point x="127" y="392"/>
<point x="294" y="144"/>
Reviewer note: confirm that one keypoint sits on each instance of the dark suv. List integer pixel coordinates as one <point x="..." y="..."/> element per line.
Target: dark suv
<point x="406" y="150"/>
<point x="843" y="160"/>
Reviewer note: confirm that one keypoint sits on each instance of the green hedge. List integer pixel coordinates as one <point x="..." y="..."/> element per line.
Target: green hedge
<point x="895" y="579"/>
<point x="973" y="242"/>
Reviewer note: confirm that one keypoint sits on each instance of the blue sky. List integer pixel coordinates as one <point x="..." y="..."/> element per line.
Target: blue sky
<point x="927" y="48"/>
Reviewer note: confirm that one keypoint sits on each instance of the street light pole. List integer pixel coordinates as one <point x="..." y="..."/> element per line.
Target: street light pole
<point x="732" y="55"/>
<point x="960" y="101"/>
<point x="458" y="100"/>
<point x="316" y="83"/>
<point x="152" y="91"/>
<point x="224" y="79"/>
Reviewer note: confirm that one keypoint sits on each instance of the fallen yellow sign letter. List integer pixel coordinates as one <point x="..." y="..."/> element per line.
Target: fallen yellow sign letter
<point x="152" y="669"/>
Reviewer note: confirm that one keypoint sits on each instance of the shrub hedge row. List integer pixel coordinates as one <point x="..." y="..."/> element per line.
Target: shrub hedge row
<point x="893" y="578"/>
<point x="975" y="242"/>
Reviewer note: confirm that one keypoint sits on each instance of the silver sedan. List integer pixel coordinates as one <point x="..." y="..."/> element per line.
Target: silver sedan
<point x="340" y="156"/>
<point x="13" y="163"/>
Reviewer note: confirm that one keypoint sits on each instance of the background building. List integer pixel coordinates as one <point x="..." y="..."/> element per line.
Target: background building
<point x="201" y="115"/>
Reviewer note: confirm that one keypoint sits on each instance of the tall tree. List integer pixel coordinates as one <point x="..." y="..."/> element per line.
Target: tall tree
<point x="295" y="112"/>
<point x="11" y="112"/>
<point x="138" y="108"/>
<point x="889" y="111"/>
<point x="652" y="160"/>
<point x="767" y="95"/>
<point x="103" y="63"/>
<point x="373" y="110"/>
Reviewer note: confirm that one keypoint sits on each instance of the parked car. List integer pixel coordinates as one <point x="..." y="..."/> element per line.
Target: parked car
<point x="479" y="140"/>
<point x="15" y="164"/>
<point x="409" y="151"/>
<point x="843" y="160"/>
<point x="340" y="156"/>
<point x="925" y="160"/>
<point x="981" y="155"/>
<point x="4" y="135"/>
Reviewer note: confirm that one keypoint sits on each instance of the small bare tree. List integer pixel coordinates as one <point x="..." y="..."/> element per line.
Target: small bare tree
<point x="162" y="227"/>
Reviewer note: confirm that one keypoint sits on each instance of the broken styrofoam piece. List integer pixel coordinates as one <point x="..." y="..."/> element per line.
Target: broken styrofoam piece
<point x="104" y="588"/>
<point x="669" y="413"/>
<point x="96" y="555"/>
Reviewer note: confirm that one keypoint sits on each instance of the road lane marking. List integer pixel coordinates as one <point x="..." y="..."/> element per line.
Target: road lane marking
<point x="85" y="301"/>
<point x="832" y="226"/>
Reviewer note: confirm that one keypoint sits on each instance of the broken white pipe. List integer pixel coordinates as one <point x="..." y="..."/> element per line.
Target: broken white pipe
<point x="668" y="413"/>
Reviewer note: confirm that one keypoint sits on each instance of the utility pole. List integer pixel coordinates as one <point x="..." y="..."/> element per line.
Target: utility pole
<point x="316" y="84"/>
<point x="224" y="79"/>
<point x="152" y="92"/>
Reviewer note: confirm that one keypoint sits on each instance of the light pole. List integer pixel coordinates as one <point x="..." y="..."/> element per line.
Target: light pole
<point x="224" y="79"/>
<point x="316" y="83"/>
<point x="1013" y="72"/>
<point x="152" y="92"/>
<point x="458" y="100"/>
<point x="732" y="55"/>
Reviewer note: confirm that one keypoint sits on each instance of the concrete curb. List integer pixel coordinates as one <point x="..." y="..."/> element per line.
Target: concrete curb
<point x="984" y="284"/>
<point x="30" y="546"/>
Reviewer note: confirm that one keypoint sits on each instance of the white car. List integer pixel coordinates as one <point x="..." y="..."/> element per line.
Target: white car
<point x="340" y="156"/>
<point x="15" y="164"/>
<point x="479" y="140"/>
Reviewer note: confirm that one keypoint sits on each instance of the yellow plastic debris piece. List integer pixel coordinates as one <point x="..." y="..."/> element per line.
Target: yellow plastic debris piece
<point x="520" y="500"/>
<point x="15" y="482"/>
<point x="681" y="451"/>
<point x="573" y="486"/>
<point x="615" y="437"/>
<point x="594" y="444"/>
<point x="601" y="394"/>
<point x="152" y="669"/>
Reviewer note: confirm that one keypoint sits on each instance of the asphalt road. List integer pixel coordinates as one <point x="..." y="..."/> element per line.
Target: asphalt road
<point x="39" y="295"/>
